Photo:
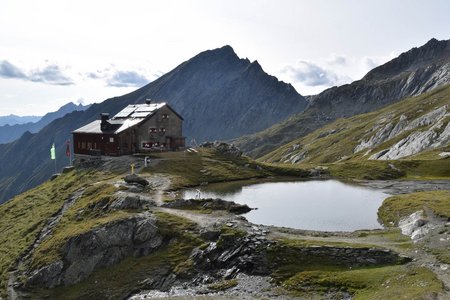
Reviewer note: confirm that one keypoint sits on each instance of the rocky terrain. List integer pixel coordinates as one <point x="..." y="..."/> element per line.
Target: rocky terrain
<point x="412" y="73"/>
<point x="100" y="232"/>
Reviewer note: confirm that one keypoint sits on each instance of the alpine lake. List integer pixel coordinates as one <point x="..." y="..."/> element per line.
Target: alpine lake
<point x="322" y="205"/>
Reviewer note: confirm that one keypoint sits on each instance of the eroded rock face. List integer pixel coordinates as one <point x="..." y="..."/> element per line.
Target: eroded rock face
<point x="390" y="130"/>
<point x="97" y="248"/>
<point x="415" y="225"/>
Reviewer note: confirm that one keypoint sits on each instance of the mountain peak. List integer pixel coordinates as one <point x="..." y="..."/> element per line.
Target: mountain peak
<point x="432" y="52"/>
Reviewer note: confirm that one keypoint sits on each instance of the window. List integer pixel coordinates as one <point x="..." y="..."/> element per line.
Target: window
<point x="83" y="145"/>
<point x="165" y="116"/>
<point x="95" y="145"/>
<point x="111" y="140"/>
<point x="152" y="130"/>
<point x="89" y="145"/>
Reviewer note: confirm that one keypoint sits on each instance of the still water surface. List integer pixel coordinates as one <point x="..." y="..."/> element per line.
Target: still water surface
<point x="326" y="205"/>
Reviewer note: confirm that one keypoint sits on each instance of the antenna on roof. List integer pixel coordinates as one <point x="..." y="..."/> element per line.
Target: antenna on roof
<point x="148" y="101"/>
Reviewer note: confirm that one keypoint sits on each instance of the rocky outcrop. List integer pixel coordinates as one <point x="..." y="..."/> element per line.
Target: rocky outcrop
<point x="415" y="225"/>
<point x="213" y="204"/>
<point x="223" y="148"/>
<point x="100" y="247"/>
<point x="385" y="131"/>
<point x="136" y="179"/>
<point x="344" y="256"/>
<point x="255" y="254"/>
<point x="436" y="135"/>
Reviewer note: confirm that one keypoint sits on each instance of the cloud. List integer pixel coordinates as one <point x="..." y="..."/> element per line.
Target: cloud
<point x="50" y="74"/>
<point x="127" y="79"/>
<point x="8" y="70"/>
<point x="311" y="74"/>
<point x="337" y="60"/>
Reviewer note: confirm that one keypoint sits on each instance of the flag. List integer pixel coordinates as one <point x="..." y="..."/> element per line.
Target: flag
<point x="68" y="149"/>
<point x="52" y="152"/>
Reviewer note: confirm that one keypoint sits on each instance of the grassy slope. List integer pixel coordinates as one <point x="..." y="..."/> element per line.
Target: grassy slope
<point x="383" y="283"/>
<point x="396" y="207"/>
<point x="308" y="277"/>
<point x="321" y="148"/>
<point x="191" y="169"/>
<point x="22" y="218"/>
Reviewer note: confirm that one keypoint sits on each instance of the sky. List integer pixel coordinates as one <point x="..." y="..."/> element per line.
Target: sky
<point x="57" y="51"/>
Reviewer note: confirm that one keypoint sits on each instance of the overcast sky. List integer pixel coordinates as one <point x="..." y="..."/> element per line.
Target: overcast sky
<point x="53" y="52"/>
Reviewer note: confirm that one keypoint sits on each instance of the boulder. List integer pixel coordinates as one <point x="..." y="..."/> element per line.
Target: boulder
<point x="135" y="179"/>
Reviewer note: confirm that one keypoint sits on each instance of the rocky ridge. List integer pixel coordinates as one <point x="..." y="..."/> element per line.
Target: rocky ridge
<point x="412" y="73"/>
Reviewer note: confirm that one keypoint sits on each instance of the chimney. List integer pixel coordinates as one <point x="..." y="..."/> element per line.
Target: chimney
<point x="104" y="124"/>
<point x="148" y="101"/>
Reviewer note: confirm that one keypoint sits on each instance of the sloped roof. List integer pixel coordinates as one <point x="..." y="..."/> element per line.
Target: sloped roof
<point x="128" y="117"/>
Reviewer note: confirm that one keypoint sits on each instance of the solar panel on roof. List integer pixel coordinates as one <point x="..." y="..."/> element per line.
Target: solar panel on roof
<point x="140" y="114"/>
<point x="145" y="109"/>
<point x="125" y="112"/>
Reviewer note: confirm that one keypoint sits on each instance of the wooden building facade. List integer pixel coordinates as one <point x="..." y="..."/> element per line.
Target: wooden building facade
<point x="137" y="128"/>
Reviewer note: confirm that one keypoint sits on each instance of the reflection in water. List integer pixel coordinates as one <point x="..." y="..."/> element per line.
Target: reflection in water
<point x="315" y="205"/>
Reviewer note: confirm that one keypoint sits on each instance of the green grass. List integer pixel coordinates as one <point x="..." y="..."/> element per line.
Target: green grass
<point x="23" y="217"/>
<point x="223" y="285"/>
<point x="368" y="170"/>
<point x="393" y="238"/>
<point x="383" y="283"/>
<point x="396" y="207"/>
<point x="208" y="166"/>
<point x="442" y="254"/>
<point x="191" y="169"/>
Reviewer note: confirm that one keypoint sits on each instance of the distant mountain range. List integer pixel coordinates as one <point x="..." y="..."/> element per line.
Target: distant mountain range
<point x="219" y="95"/>
<point x="414" y="72"/>
<point x="14" y="119"/>
<point x="11" y="132"/>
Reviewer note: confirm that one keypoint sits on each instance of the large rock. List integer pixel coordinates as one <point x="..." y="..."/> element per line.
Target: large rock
<point x="135" y="179"/>
<point x="213" y="204"/>
<point x="100" y="247"/>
